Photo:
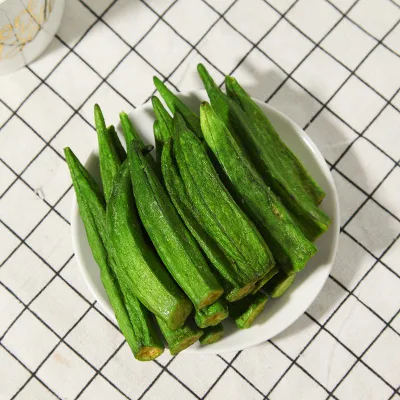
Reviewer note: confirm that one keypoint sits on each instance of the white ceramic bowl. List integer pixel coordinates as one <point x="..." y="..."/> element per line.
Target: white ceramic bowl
<point x="278" y="313"/>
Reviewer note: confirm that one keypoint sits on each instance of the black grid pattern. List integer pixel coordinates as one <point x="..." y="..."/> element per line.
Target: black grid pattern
<point x="25" y="297"/>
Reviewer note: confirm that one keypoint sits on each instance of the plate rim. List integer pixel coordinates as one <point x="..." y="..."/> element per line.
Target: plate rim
<point x="335" y="222"/>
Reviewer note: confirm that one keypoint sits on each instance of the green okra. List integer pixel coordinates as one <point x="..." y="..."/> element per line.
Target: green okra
<point x="211" y="315"/>
<point x="245" y="311"/>
<point x="250" y="135"/>
<point x="220" y="216"/>
<point x="174" y="243"/>
<point x="279" y="284"/>
<point x="148" y="278"/>
<point x="108" y="153"/>
<point x="212" y="334"/>
<point x="180" y="339"/>
<point x="233" y="287"/>
<point x="290" y="248"/>
<point x="269" y="141"/>
<point x="134" y="321"/>
<point x="177" y="106"/>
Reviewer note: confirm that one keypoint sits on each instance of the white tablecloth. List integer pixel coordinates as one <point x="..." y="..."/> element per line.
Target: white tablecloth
<point x="333" y="66"/>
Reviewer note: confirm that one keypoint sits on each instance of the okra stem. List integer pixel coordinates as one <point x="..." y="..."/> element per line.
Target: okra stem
<point x="245" y="311"/>
<point x="211" y="315"/>
<point x="279" y="284"/>
<point x="212" y="334"/>
<point x="180" y="339"/>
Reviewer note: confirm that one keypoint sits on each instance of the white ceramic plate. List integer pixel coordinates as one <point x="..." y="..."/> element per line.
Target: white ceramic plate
<point x="279" y="313"/>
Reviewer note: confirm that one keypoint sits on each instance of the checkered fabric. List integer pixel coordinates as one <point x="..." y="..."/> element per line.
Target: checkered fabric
<point x="333" y="66"/>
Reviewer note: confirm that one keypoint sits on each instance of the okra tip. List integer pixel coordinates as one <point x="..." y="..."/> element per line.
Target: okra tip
<point x="158" y="83"/>
<point x="230" y="80"/>
<point x="207" y="116"/>
<point x="232" y="86"/>
<point x="128" y="128"/>
<point x="158" y="107"/>
<point x="99" y="117"/>
<point x="123" y="115"/>
<point x="155" y="101"/>
<point x="205" y="76"/>
<point x="159" y="133"/>
<point x="201" y="69"/>
<point x="70" y="155"/>
<point x="165" y="93"/>
<point x="71" y="158"/>
<point x="126" y="125"/>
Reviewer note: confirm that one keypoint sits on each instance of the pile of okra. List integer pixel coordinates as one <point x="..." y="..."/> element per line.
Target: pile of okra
<point x="222" y="219"/>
